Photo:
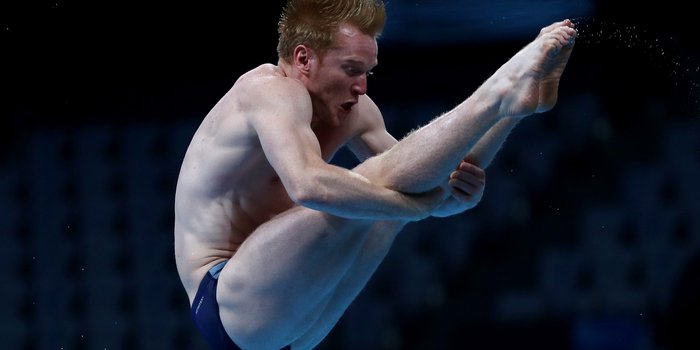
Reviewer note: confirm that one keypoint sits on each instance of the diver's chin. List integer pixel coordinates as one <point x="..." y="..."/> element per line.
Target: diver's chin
<point x="343" y="113"/>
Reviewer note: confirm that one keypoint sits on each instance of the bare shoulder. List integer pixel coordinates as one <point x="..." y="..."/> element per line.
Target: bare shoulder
<point x="259" y="75"/>
<point x="369" y="115"/>
<point x="266" y="97"/>
<point x="267" y="86"/>
<point x="262" y="93"/>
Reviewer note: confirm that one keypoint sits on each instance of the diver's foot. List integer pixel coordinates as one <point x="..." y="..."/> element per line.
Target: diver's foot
<point x="530" y="79"/>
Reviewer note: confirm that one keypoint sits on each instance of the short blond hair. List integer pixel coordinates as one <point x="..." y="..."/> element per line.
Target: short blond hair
<point x="315" y="22"/>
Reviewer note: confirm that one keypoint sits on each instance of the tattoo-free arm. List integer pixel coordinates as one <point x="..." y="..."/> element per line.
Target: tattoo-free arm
<point x="282" y="118"/>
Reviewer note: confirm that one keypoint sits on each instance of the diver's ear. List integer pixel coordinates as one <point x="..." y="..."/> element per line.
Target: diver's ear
<point x="304" y="58"/>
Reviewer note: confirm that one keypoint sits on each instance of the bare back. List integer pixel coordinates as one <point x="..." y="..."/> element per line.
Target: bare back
<point x="227" y="187"/>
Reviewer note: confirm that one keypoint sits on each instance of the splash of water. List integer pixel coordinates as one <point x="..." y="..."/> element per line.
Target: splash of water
<point x="657" y="48"/>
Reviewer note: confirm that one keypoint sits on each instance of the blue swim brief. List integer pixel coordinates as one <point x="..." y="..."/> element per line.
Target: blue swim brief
<point x="205" y="312"/>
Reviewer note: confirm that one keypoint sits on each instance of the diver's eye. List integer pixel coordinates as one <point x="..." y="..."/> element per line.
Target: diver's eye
<point x="354" y="72"/>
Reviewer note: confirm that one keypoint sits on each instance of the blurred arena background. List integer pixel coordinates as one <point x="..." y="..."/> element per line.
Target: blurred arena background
<point x="588" y="235"/>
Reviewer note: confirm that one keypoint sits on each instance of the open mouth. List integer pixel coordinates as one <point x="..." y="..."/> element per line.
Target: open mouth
<point x="347" y="106"/>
